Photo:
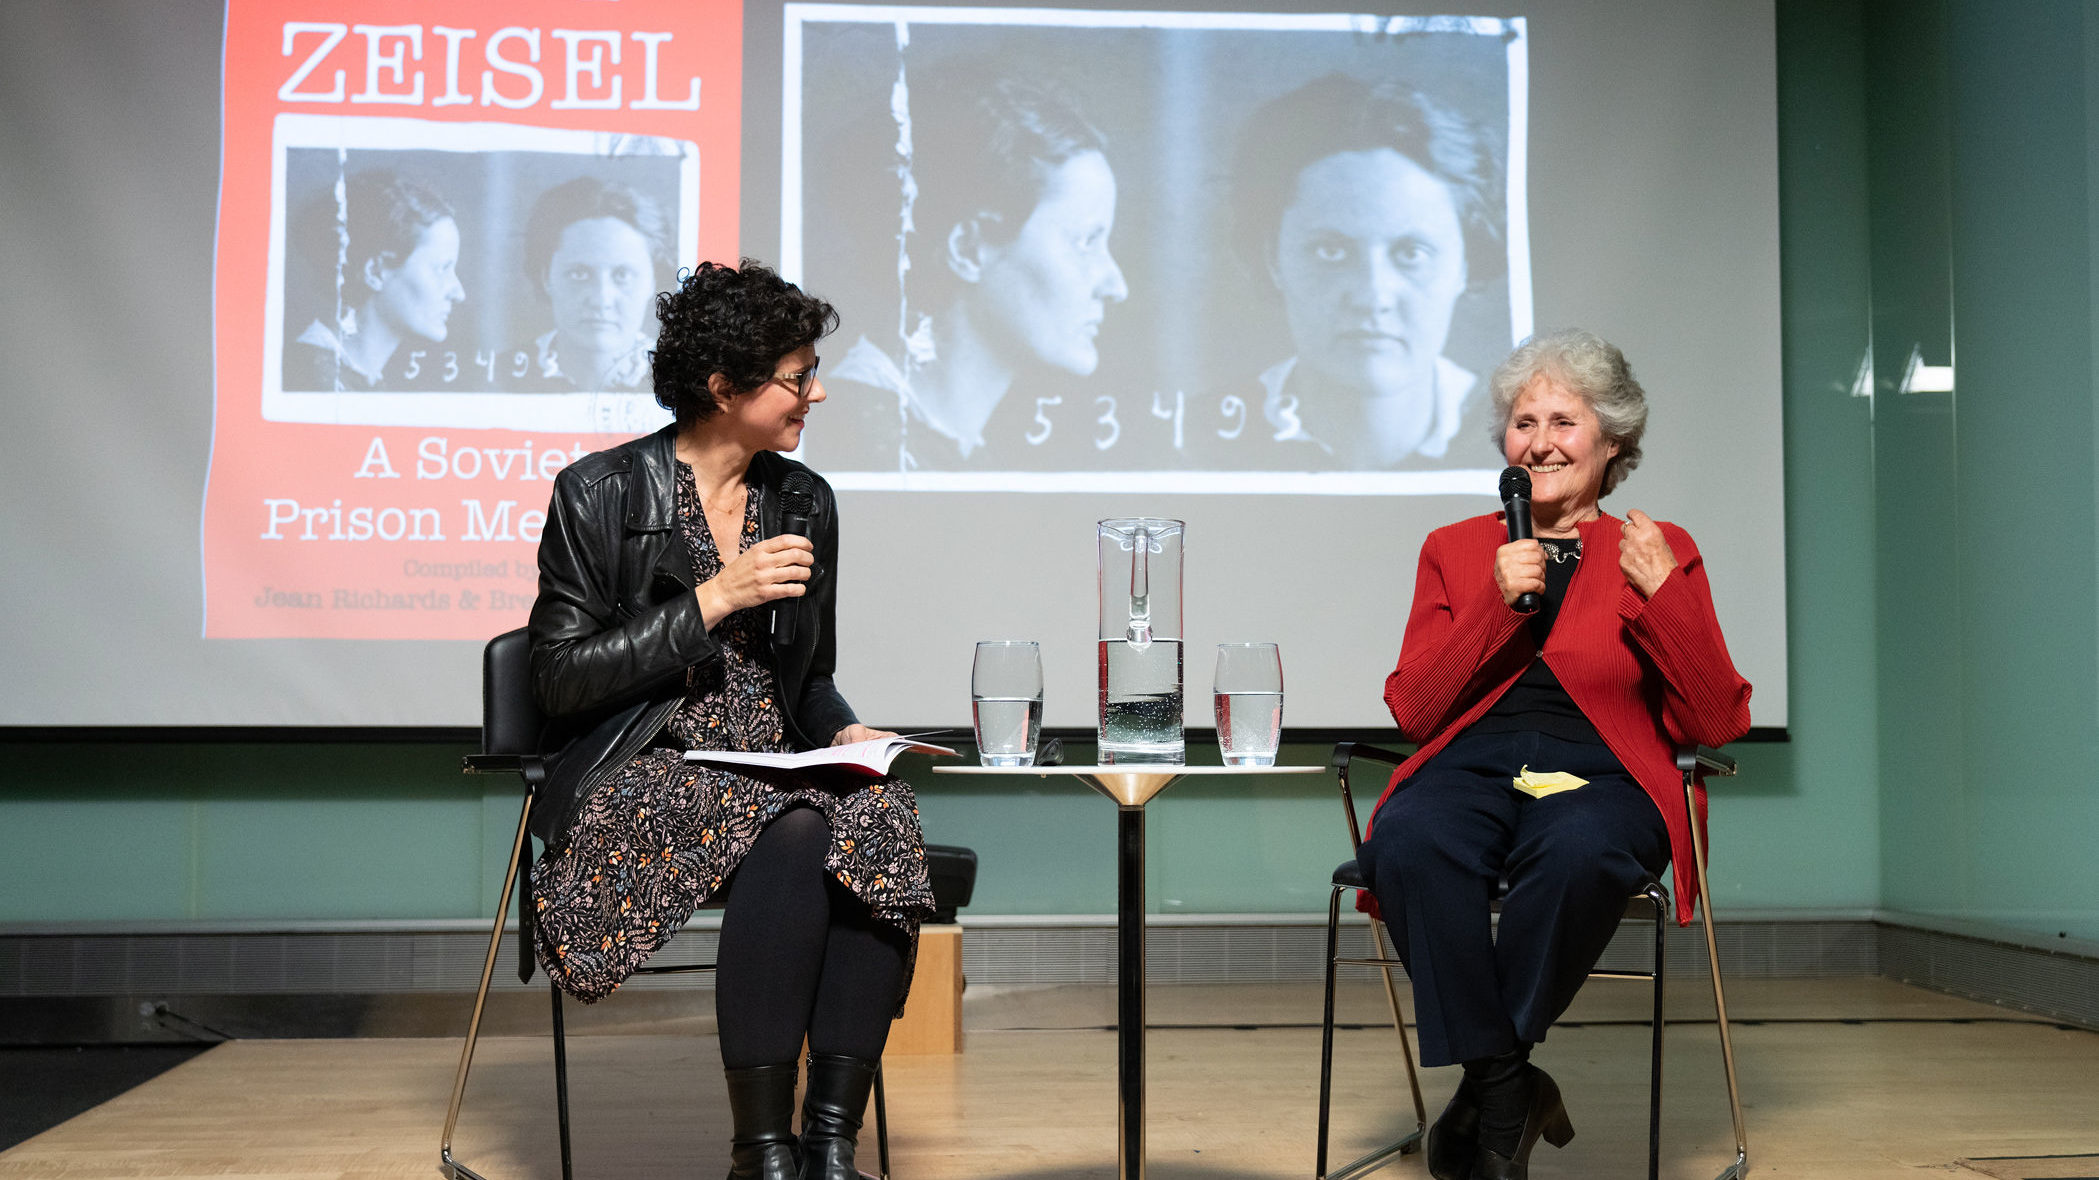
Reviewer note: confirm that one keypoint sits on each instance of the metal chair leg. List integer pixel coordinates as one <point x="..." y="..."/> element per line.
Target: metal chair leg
<point x="1660" y="901"/>
<point x="446" y="1164"/>
<point x="1407" y="1143"/>
<point x="1740" y="1168"/>
<point x="1326" y="1034"/>
<point x="561" y="1080"/>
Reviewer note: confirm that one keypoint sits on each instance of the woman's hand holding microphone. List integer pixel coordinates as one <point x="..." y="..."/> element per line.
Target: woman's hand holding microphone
<point x="1519" y="569"/>
<point x="775" y="568"/>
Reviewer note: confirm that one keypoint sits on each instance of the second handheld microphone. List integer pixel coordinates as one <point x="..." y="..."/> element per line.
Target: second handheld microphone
<point x="797" y="505"/>
<point x="1516" y="509"/>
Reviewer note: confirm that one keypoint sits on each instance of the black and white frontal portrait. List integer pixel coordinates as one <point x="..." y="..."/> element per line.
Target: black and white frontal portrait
<point x="599" y="251"/>
<point x="1369" y="209"/>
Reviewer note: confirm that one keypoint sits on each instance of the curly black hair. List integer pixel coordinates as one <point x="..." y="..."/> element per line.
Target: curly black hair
<point x="734" y="320"/>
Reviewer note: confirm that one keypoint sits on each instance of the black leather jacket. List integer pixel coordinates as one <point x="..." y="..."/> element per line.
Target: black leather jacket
<point x="617" y="634"/>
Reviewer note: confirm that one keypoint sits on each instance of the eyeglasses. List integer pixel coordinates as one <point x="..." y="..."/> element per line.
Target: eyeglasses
<point x="799" y="382"/>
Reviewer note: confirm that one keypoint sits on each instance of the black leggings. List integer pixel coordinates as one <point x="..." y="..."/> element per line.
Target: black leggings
<point x="801" y="955"/>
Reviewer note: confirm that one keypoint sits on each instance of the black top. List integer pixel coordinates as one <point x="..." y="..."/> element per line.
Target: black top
<point x="1537" y="703"/>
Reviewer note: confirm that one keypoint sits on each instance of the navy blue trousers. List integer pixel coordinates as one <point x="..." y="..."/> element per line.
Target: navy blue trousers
<point x="1443" y="841"/>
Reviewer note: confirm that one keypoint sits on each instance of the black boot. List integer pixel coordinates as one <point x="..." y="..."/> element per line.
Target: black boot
<point x="1544" y="1115"/>
<point x="761" y="1109"/>
<point x="832" y="1108"/>
<point x="1453" y="1139"/>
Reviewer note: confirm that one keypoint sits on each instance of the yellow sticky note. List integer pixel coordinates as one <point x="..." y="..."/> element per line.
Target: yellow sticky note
<point x="1539" y="784"/>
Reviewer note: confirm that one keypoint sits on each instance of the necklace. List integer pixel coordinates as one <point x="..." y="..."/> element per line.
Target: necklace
<point x="731" y="504"/>
<point x="1563" y="549"/>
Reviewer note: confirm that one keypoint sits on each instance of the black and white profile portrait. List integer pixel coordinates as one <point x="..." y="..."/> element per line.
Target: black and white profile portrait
<point x="396" y="242"/>
<point x="440" y="274"/>
<point x="1082" y="250"/>
<point x="1013" y="212"/>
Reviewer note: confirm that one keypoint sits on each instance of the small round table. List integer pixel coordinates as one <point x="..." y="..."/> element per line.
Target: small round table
<point x="1131" y="786"/>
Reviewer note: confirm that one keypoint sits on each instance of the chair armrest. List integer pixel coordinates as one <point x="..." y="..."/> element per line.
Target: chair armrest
<point x="1704" y="761"/>
<point x="1341" y="762"/>
<point x="1345" y="754"/>
<point x="530" y="767"/>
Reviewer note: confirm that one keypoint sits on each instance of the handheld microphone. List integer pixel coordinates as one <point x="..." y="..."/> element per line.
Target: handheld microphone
<point x="797" y="505"/>
<point x="1516" y="508"/>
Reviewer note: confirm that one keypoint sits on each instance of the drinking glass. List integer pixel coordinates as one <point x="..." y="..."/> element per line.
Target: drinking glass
<point x="1249" y="687"/>
<point x="1005" y="697"/>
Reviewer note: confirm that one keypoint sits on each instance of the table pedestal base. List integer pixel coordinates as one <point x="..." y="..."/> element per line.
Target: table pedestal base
<point x="1129" y="989"/>
<point x="1131" y="786"/>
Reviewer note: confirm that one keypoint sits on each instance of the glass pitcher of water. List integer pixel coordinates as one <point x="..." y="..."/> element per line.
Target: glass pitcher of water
<point x="1140" y="641"/>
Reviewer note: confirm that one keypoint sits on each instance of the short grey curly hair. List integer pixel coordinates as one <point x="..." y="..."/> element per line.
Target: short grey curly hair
<point x="1587" y="365"/>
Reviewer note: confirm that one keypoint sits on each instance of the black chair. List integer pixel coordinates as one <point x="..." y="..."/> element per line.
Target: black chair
<point x="1650" y="903"/>
<point x="510" y="728"/>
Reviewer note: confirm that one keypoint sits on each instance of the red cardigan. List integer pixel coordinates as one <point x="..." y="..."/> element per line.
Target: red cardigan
<point x="1650" y="674"/>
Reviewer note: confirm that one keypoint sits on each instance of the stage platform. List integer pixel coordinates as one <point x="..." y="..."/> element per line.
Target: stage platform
<point x="1844" y="1079"/>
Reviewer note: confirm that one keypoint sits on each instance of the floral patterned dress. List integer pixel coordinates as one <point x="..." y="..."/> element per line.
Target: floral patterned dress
<point x="662" y="835"/>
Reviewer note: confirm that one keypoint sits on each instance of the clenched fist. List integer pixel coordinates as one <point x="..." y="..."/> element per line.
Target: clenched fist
<point x="1644" y="554"/>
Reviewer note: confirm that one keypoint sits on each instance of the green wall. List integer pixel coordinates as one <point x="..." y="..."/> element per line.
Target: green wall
<point x="1935" y="191"/>
<point x="1982" y="205"/>
<point x="157" y="832"/>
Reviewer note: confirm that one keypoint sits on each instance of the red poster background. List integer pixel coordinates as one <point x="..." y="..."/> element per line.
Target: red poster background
<point x="468" y="585"/>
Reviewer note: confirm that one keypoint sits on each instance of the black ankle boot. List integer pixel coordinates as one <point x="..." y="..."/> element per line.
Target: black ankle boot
<point x="1545" y="1115"/>
<point x="1501" y="1090"/>
<point x="761" y="1110"/>
<point x="832" y="1107"/>
<point x="1453" y="1139"/>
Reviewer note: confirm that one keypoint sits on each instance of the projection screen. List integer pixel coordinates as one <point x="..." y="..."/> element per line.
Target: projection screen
<point x="1245" y="269"/>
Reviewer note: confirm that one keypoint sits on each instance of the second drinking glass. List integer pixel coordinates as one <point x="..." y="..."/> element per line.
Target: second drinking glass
<point x="1249" y="688"/>
<point x="1005" y="696"/>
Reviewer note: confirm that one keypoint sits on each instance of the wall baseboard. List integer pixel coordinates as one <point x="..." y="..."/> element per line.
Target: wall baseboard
<point x="97" y="985"/>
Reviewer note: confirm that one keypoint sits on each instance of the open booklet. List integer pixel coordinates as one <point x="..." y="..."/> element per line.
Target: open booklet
<point x="868" y="757"/>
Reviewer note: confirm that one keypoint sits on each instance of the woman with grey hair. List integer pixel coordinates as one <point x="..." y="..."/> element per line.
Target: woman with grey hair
<point x="1546" y="746"/>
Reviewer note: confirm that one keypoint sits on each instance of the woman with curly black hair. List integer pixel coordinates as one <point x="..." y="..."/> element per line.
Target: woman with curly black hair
<point x="662" y="567"/>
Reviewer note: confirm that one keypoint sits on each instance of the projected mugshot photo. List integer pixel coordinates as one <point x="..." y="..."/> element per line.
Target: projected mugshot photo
<point x="597" y="251"/>
<point x="1014" y="206"/>
<point x="503" y="274"/>
<point x="1067" y="253"/>
<point x="1369" y="209"/>
<point x="396" y="243"/>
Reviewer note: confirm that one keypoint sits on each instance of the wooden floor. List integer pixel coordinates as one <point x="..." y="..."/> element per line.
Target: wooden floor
<point x="1851" y="1079"/>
